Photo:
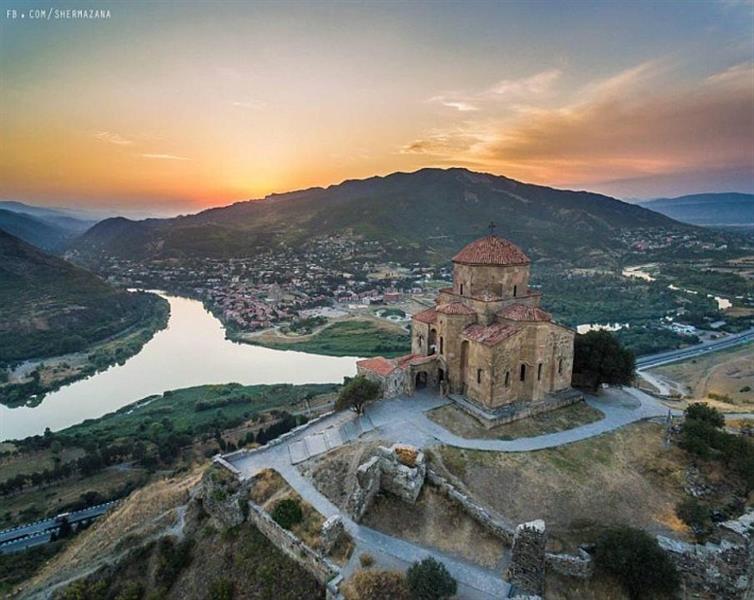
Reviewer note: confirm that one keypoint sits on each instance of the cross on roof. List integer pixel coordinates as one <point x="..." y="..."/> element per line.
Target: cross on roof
<point x="491" y="227"/>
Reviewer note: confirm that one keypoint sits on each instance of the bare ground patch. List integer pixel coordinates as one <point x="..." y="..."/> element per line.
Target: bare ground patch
<point x="436" y="522"/>
<point x="334" y="473"/>
<point x="626" y="476"/>
<point x="462" y="424"/>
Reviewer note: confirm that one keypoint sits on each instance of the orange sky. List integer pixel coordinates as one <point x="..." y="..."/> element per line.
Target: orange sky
<point x="174" y="106"/>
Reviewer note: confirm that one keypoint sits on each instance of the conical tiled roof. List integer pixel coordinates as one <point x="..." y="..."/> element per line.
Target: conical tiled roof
<point x="491" y="250"/>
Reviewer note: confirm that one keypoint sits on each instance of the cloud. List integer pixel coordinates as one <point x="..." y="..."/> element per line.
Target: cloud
<point x="534" y="85"/>
<point x="162" y="156"/>
<point x="632" y="124"/>
<point x="459" y="105"/>
<point x="112" y="138"/>
<point x="250" y="104"/>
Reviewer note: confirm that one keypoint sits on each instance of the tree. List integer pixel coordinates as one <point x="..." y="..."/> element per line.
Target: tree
<point x="635" y="559"/>
<point x="696" y="515"/>
<point x="598" y="357"/>
<point x="287" y="513"/>
<point x="356" y="393"/>
<point x="377" y="585"/>
<point x="430" y="580"/>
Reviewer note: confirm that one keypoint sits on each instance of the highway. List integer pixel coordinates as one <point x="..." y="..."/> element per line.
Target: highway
<point x="662" y="358"/>
<point x="39" y="532"/>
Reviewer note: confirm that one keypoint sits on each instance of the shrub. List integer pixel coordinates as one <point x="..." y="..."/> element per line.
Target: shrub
<point x="366" y="560"/>
<point x="430" y="580"/>
<point x="705" y="413"/>
<point x="173" y="558"/>
<point x="221" y="589"/>
<point x="377" y="585"/>
<point x="287" y="513"/>
<point x="696" y="515"/>
<point x="635" y="559"/>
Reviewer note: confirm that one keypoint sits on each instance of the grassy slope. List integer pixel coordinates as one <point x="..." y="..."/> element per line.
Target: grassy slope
<point x="49" y="307"/>
<point x="347" y="338"/>
<point x="223" y="405"/>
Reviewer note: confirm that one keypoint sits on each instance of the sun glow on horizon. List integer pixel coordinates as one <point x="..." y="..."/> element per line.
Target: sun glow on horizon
<point x="178" y="106"/>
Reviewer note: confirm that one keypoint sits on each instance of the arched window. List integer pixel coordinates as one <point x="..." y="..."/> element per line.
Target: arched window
<point x="442" y="345"/>
<point x="479" y="375"/>
<point x="560" y="366"/>
<point x="507" y="378"/>
<point x="515" y="291"/>
<point x="522" y="374"/>
<point x="539" y="372"/>
<point x="461" y="289"/>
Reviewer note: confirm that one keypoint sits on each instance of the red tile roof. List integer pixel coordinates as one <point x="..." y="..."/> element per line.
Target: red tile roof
<point x="426" y="316"/>
<point x="379" y="365"/>
<point x="522" y="312"/>
<point x="491" y="334"/>
<point x="455" y="308"/>
<point x="491" y="250"/>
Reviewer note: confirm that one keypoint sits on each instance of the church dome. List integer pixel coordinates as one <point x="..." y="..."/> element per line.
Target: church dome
<point x="491" y="250"/>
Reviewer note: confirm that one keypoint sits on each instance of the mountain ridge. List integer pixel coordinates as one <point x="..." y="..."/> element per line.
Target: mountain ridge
<point x="403" y="210"/>
<point x="710" y="209"/>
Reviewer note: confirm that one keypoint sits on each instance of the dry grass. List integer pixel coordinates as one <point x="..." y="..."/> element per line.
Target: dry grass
<point x="270" y="488"/>
<point x="599" y="587"/>
<point x="437" y="522"/>
<point x="626" y="476"/>
<point x="719" y="378"/>
<point x="146" y="513"/>
<point x="462" y="424"/>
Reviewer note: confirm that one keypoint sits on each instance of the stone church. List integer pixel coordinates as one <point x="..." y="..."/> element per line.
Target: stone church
<point x="486" y="343"/>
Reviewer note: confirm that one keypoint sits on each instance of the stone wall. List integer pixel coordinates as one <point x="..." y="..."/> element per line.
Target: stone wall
<point x="526" y="571"/>
<point x="399" y="470"/>
<point x="724" y="570"/>
<point x="321" y="568"/>
<point x="581" y="566"/>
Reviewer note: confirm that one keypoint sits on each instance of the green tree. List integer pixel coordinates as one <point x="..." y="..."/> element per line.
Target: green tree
<point x="356" y="393"/>
<point x="430" y="580"/>
<point x="287" y="513"/>
<point x="702" y="411"/>
<point x="635" y="559"/>
<point x="696" y="515"/>
<point x="598" y="357"/>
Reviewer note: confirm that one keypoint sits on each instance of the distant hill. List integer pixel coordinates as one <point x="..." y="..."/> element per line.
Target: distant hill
<point x="727" y="209"/>
<point x="46" y="228"/>
<point x="49" y="306"/>
<point x="426" y="214"/>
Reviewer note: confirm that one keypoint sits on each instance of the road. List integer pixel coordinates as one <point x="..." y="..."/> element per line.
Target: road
<point x="39" y="532"/>
<point x="655" y="360"/>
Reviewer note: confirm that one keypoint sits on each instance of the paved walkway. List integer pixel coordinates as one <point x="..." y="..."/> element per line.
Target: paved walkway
<point x="405" y="420"/>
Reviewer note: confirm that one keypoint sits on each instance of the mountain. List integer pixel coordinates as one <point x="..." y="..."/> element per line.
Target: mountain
<point x="426" y="214"/>
<point x="49" y="306"/>
<point x="46" y="228"/>
<point x="730" y="209"/>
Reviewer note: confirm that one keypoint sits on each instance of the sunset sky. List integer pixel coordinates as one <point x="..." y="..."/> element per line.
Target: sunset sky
<point x="174" y="106"/>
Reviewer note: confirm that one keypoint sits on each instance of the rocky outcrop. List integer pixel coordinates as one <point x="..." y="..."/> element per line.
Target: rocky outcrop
<point x="724" y="570"/>
<point x="526" y="571"/>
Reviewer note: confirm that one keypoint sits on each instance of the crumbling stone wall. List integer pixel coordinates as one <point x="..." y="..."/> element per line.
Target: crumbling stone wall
<point x="222" y="494"/>
<point x="526" y="571"/>
<point x="332" y="530"/>
<point x="581" y="566"/>
<point x="399" y="470"/>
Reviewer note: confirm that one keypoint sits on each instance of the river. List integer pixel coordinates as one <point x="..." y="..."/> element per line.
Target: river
<point x="191" y="351"/>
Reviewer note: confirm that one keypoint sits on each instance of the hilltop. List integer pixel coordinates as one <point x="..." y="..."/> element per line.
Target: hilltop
<point x="422" y="215"/>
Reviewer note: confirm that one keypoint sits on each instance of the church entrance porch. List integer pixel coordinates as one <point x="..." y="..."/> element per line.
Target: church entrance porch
<point x="421" y="380"/>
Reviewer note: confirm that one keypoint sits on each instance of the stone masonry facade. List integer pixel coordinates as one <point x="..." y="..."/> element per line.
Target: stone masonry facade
<point x="486" y="341"/>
